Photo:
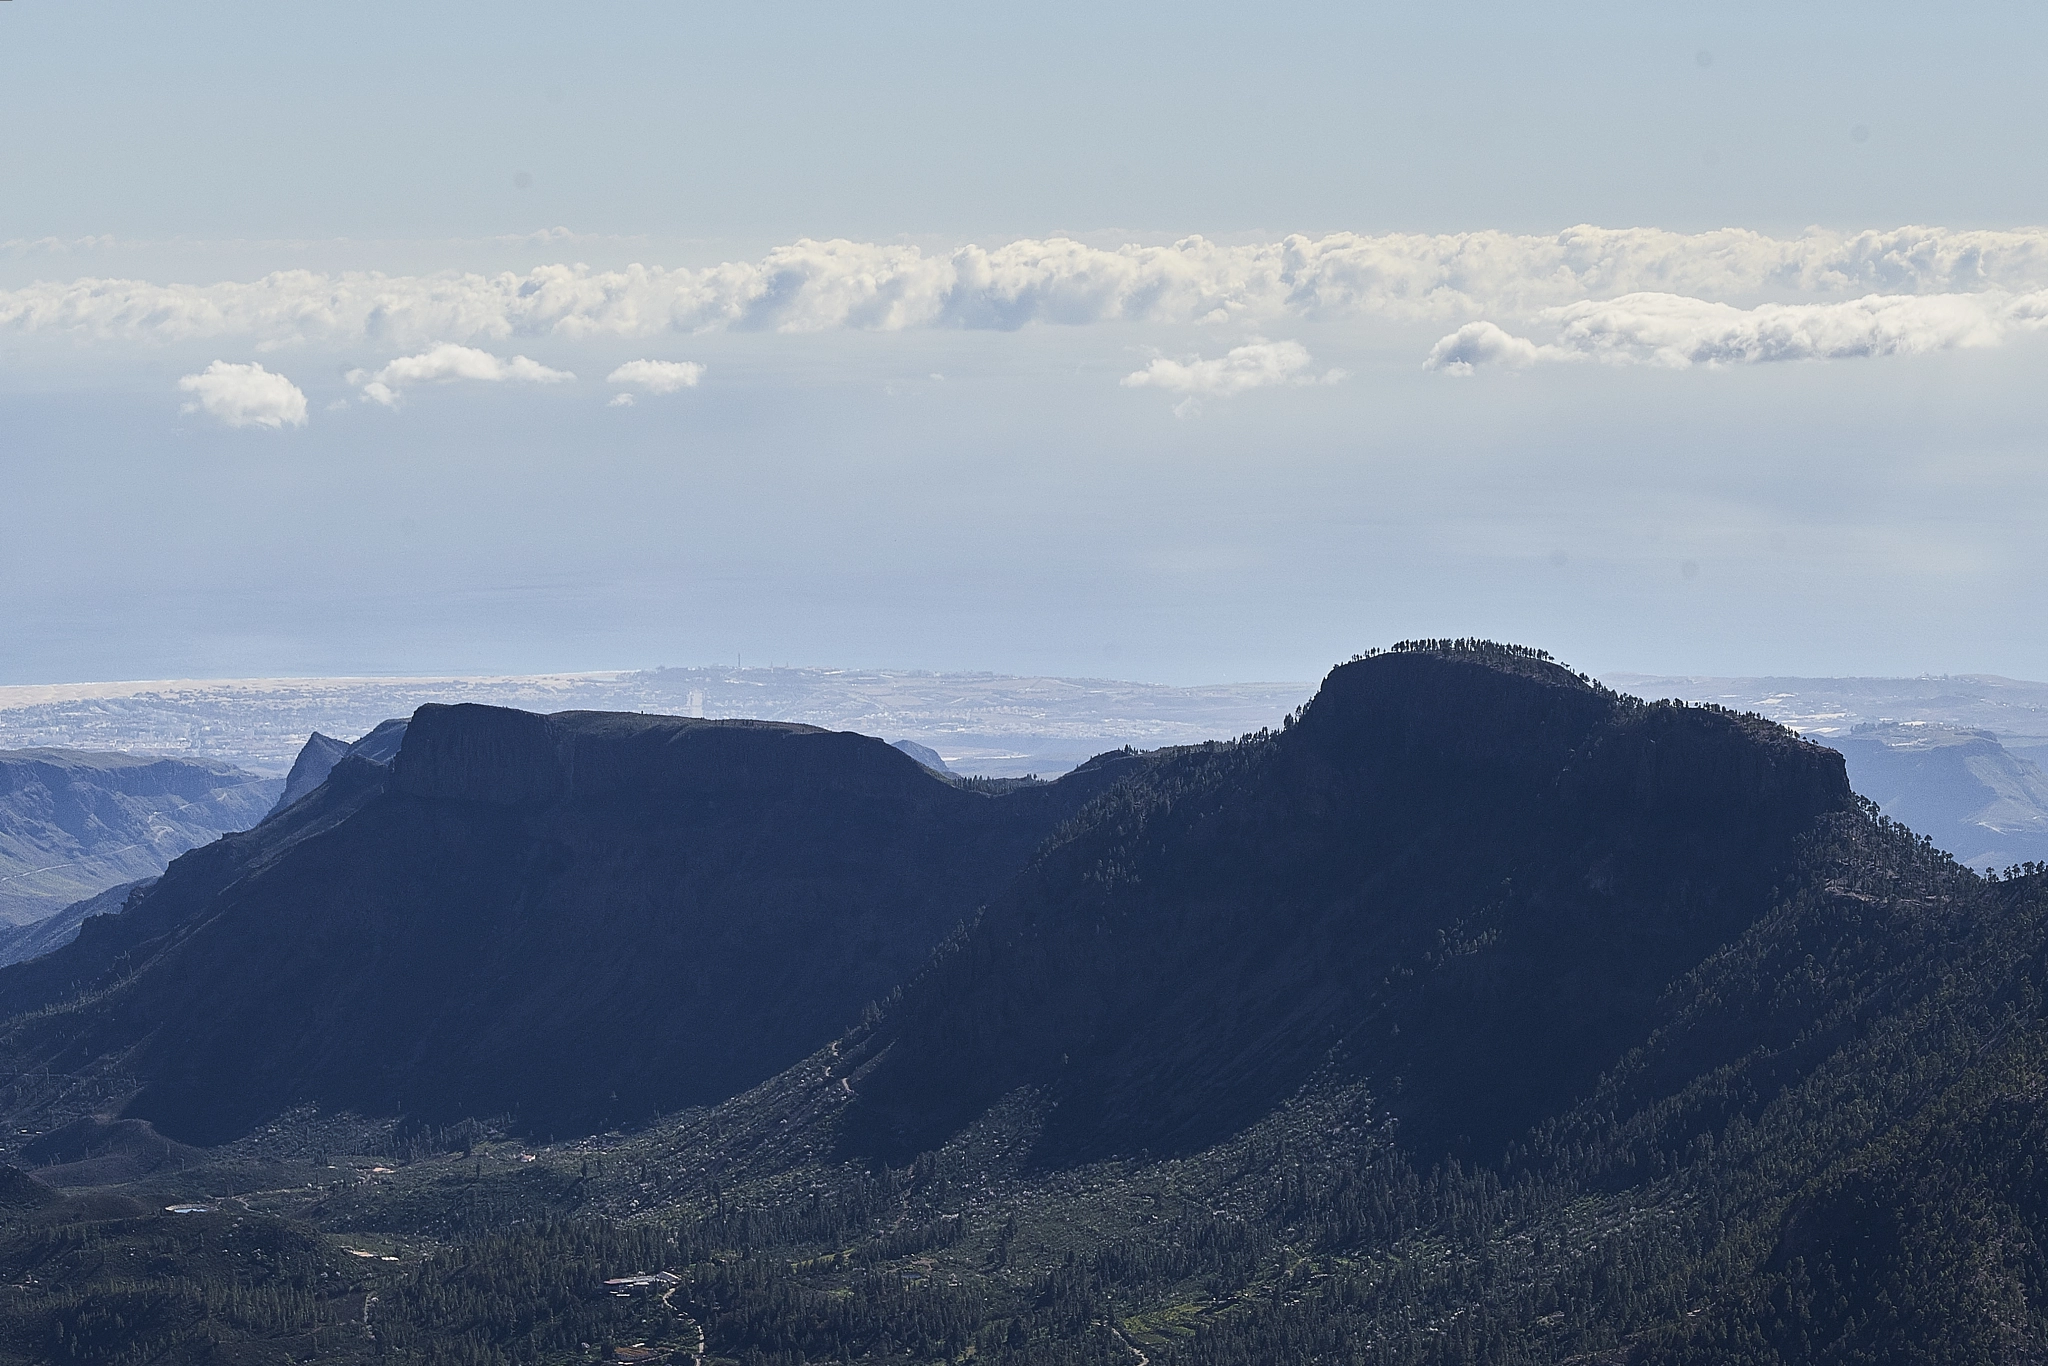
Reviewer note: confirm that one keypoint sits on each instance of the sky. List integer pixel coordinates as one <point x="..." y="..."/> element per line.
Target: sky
<point x="1186" y="343"/>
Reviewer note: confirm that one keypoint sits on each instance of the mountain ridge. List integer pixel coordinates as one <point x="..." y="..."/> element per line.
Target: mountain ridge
<point x="1603" y="1032"/>
<point x="445" y="936"/>
<point x="1329" y="828"/>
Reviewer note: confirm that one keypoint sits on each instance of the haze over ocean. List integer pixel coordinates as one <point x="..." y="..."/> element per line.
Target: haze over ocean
<point x="1158" y="343"/>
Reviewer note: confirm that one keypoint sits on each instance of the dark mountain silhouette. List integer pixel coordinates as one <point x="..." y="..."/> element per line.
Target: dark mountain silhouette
<point x="73" y="823"/>
<point x="1468" y="875"/>
<point x="1479" y="1016"/>
<point x="1598" y="1032"/>
<point x="577" y="919"/>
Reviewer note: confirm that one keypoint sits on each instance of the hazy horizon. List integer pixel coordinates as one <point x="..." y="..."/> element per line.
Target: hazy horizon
<point x="1147" y="344"/>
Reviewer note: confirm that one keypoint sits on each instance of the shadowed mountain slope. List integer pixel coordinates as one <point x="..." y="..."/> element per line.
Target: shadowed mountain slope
<point x="1466" y="874"/>
<point x="1596" y="1034"/>
<point x="18" y="943"/>
<point x="73" y="823"/>
<point x="578" y="919"/>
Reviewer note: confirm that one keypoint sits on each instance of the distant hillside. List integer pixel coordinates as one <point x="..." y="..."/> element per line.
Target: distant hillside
<point x="316" y="760"/>
<point x="1961" y="788"/>
<point x="73" y="824"/>
<point x="2013" y="709"/>
<point x="576" y="920"/>
<point x="995" y="725"/>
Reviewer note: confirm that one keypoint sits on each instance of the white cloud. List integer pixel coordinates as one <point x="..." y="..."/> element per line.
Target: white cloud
<point x="1255" y="365"/>
<point x="620" y="401"/>
<point x="811" y="286"/>
<point x="245" y="396"/>
<point x="1480" y="343"/>
<point x="658" y="376"/>
<point x="448" y="362"/>
<point x="1676" y="332"/>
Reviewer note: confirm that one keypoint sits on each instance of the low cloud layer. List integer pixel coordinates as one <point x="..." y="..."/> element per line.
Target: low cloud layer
<point x="812" y="286"/>
<point x="245" y="396"/>
<point x="657" y="376"/>
<point x="446" y="363"/>
<point x="1676" y="332"/>
<point x="1255" y="365"/>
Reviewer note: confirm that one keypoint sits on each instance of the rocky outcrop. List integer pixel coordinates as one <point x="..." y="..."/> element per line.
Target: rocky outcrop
<point x="322" y="752"/>
<point x="316" y="760"/>
<point x="471" y="753"/>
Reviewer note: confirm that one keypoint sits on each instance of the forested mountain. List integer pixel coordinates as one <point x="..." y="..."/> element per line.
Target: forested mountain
<point x="1443" y="848"/>
<point x="576" y="920"/>
<point x="1594" y="1032"/>
<point x="73" y="824"/>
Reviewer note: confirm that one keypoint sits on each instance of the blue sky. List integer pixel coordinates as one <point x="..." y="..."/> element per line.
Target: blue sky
<point x="1171" y="342"/>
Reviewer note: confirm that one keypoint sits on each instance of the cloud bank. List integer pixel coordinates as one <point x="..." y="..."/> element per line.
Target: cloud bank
<point x="1676" y="332"/>
<point x="245" y="396"/>
<point x="812" y="286"/>
<point x="657" y="376"/>
<point x="1255" y="365"/>
<point x="446" y="363"/>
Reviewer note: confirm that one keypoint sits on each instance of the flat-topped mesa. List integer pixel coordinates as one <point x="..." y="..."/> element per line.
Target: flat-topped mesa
<point x="1473" y="704"/>
<point x="514" y="758"/>
<point x="1466" y="708"/>
<point x="475" y="753"/>
<point x="580" y="919"/>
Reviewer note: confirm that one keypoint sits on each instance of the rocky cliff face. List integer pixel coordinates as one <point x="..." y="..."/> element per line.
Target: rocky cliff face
<point x="316" y="760"/>
<point x="318" y="757"/>
<point x="576" y="919"/>
<point x="469" y="753"/>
